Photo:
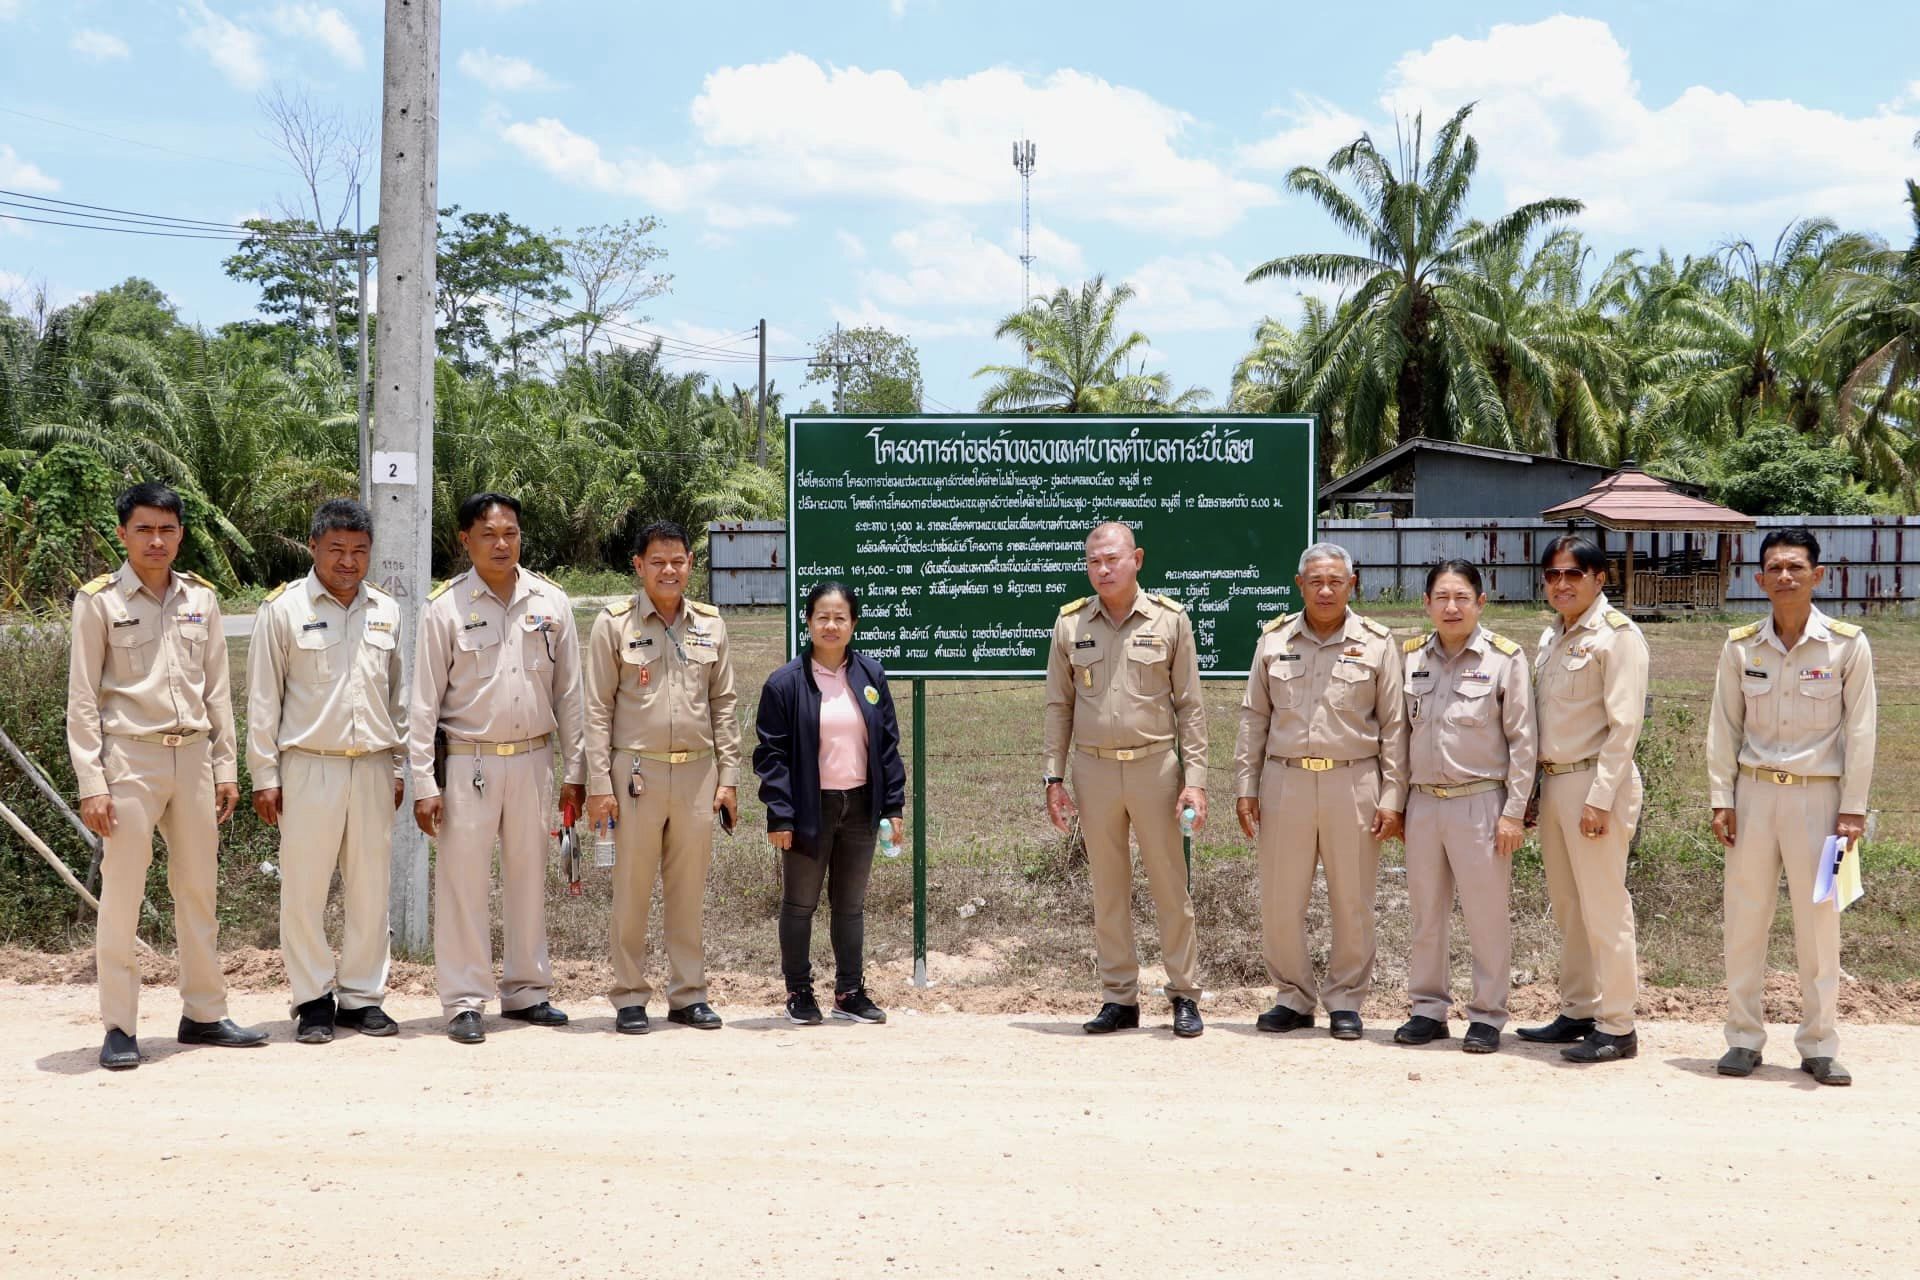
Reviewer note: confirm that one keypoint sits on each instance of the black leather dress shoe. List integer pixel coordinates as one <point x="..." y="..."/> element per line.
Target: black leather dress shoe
<point x="1738" y="1062"/>
<point x="313" y="1021"/>
<point x="697" y="1015"/>
<point x="540" y="1015"/>
<point x="631" y="1020"/>
<point x="1112" y="1017"/>
<point x="1481" y="1037"/>
<point x="1420" y="1029"/>
<point x="1827" y="1071"/>
<point x="1186" y="1018"/>
<point x="1282" y="1019"/>
<point x="465" y="1028"/>
<point x="1562" y="1030"/>
<point x="223" y="1033"/>
<point x="1601" y="1047"/>
<point x="1344" y="1025"/>
<point x="120" y="1052"/>
<point x="370" y="1021"/>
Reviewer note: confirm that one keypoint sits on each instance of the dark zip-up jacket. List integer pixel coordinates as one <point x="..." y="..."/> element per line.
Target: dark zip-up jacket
<point x="788" y="757"/>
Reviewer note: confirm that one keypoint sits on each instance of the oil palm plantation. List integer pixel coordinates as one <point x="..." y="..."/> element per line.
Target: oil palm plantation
<point x="1078" y="361"/>
<point x="1405" y="350"/>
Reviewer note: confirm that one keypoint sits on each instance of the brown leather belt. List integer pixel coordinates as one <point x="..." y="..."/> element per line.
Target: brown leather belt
<point x="1577" y="766"/>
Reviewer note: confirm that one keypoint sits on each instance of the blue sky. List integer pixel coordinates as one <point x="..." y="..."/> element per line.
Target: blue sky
<point x="851" y="162"/>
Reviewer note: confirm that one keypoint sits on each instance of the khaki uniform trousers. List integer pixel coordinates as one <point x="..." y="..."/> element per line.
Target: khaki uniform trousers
<point x="1781" y="826"/>
<point x="335" y="812"/>
<point x="1113" y="795"/>
<point x="1449" y="844"/>
<point x="169" y="788"/>
<point x="665" y="835"/>
<point x="1324" y="818"/>
<point x="514" y="808"/>
<point x="1587" y="882"/>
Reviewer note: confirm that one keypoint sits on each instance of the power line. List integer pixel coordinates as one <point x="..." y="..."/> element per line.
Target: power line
<point x="133" y="213"/>
<point x="135" y="142"/>
<point x="227" y="238"/>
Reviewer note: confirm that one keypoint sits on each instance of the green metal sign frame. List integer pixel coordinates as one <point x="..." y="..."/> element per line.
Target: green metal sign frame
<point x="962" y="535"/>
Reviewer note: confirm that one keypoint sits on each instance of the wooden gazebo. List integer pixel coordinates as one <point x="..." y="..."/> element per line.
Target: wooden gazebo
<point x="1678" y="579"/>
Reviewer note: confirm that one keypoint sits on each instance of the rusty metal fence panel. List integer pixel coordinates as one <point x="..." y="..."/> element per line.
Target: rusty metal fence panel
<point x="747" y="561"/>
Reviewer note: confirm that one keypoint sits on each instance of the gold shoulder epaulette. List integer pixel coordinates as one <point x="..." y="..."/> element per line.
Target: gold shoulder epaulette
<point x="1742" y="633"/>
<point x="1378" y="628"/>
<point x="1617" y="620"/>
<point x="1074" y="606"/>
<point x="1503" y="644"/>
<point x="702" y="607"/>
<point x="1414" y="645"/>
<point x="620" y="608"/>
<point x="1170" y="602"/>
<point x="1847" y="629"/>
<point x="281" y="590"/>
<point x="1279" y="621"/>
<point x="98" y="585"/>
<point x="191" y="576"/>
<point x="439" y="589"/>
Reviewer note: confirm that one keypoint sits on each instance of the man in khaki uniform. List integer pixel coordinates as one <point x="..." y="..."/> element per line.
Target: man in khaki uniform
<point x="325" y="727"/>
<point x="1590" y="694"/>
<point x="663" y="757"/>
<point x="1790" y="749"/>
<point x="150" y="732"/>
<point x="1123" y="688"/>
<point x="498" y="672"/>
<point x="1470" y="759"/>
<point x="1322" y="757"/>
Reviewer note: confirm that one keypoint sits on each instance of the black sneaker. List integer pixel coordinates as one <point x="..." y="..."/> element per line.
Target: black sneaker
<point x="802" y="1008"/>
<point x="370" y="1020"/>
<point x="314" y="1021"/>
<point x="854" y="1006"/>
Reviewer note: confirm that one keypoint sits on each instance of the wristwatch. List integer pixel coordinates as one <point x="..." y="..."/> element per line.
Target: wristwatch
<point x="1049" y="780"/>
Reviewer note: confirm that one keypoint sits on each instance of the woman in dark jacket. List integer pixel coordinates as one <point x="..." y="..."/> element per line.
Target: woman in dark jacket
<point x="830" y="773"/>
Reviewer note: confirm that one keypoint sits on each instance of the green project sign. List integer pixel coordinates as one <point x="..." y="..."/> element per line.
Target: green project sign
<point x="964" y="534"/>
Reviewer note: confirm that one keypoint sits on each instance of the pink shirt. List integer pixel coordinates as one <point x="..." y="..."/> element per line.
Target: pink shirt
<point x="843" y="732"/>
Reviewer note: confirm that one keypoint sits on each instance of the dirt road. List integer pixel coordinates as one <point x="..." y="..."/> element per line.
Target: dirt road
<point x="939" y="1145"/>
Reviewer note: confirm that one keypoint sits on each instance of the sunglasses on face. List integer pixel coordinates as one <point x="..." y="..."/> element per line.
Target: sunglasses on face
<point x="1563" y="575"/>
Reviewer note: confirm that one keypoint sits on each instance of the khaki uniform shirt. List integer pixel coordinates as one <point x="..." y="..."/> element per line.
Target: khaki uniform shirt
<point x="493" y="670"/>
<point x="651" y="687"/>
<point x="1591" y="696"/>
<point x="144" y="664"/>
<point x="1338" y="699"/>
<point x="1810" y="711"/>
<point x="1125" y="685"/>
<point x="323" y="678"/>
<point x="1470" y="716"/>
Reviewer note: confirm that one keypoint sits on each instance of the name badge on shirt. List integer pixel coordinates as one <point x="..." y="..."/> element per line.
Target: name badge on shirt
<point x="1146" y="640"/>
<point x="1286" y="657"/>
<point x="125" y="622"/>
<point x="1756" y="673"/>
<point x="477" y="622"/>
<point x="377" y="624"/>
<point x="314" y="626"/>
<point x="1084" y="644"/>
<point x="1421" y="674"/>
<point x="644" y="642"/>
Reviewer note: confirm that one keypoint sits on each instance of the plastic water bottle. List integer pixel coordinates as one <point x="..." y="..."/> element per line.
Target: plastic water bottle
<point x="889" y="847"/>
<point x="1187" y="817"/>
<point x="603" y="844"/>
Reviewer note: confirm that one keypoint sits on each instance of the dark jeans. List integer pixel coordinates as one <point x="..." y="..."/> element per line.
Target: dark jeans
<point x="841" y="861"/>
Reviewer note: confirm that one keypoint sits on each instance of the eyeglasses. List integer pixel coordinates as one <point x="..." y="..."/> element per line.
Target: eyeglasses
<point x="1563" y="575"/>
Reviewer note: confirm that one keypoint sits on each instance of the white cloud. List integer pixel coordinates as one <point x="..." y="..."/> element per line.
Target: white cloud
<point x="1315" y="129"/>
<point x="329" y="28"/>
<point x="1560" y="114"/>
<point x="100" y="46"/>
<point x="1204" y="292"/>
<point x="947" y="265"/>
<point x="501" y="72"/>
<point x="793" y="126"/>
<point x="22" y="175"/>
<point x="234" y="50"/>
<point x="919" y="329"/>
<point x="11" y="9"/>
<point x="734" y="217"/>
<point x="851" y="245"/>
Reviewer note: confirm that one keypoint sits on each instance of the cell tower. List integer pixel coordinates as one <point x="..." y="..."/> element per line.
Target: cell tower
<point x="1023" y="161"/>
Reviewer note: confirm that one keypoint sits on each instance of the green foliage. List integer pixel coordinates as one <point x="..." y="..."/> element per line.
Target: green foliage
<point x="58" y="530"/>
<point x="1774" y="470"/>
<point x="881" y="370"/>
<point x="489" y="265"/>
<point x="1076" y="360"/>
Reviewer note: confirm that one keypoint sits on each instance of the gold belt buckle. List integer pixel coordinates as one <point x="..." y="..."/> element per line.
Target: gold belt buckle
<point x="1780" y="776"/>
<point x="172" y="739"/>
<point x="1316" y="764"/>
<point x="678" y="757"/>
<point x="1123" y="755"/>
<point x="354" y="753"/>
<point x="507" y="749"/>
<point x="1439" y="793"/>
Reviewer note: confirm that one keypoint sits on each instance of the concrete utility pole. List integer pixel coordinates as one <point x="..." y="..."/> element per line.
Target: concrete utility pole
<point x="402" y="481"/>
<point x="760" y="448"/>
<point x="362" y="370"/>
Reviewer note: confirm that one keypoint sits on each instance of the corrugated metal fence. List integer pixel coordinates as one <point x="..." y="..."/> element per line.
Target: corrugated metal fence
<point x="1874" y="561"/>
<point x="747" y="561"/>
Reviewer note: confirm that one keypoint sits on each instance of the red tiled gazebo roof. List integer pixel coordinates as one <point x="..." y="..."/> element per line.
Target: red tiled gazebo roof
<point x="1632" y="499"/>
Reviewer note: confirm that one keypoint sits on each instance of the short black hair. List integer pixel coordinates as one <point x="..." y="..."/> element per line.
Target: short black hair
<point x="1798" y="536"/>
<point x="833" y="587"/>
<point x="150" y="494"/>
<point x="661" y="531"/>
<point x="1585" y="551"/>
<point x="339" y="515"/>
<point x="1465" y="568"/>
<point x="476" y="507"/>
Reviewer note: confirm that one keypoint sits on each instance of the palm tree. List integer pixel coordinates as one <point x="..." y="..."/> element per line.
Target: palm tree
<point x="1407" y="344"/>
<point x="1076" y="361"/>
<point x="1268" y="376"/>
<point x="1880" y="324"/>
